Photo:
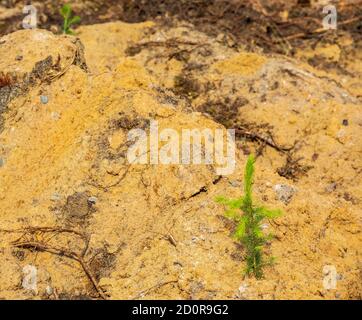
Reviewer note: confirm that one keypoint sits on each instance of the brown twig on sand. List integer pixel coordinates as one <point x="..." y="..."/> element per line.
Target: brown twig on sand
<point x="40" y="246"/>
<point x="266" y="140"/>
<point x="62" y="252"/>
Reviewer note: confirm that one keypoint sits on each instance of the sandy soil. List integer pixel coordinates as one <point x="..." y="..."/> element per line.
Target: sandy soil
<point x="95" y="226"/>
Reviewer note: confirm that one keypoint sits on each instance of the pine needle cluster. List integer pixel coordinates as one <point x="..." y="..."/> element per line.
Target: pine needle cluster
<point x="249" y="219"/>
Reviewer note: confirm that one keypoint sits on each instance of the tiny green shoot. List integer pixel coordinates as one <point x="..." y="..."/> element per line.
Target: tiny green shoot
<point x="68" y="19"/>
<point x="249" y="225"/>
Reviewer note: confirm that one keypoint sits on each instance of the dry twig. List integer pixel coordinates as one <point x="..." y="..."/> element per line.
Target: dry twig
<point x="63" y="252"/>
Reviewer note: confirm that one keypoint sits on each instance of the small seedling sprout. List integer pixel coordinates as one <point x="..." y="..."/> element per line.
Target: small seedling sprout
<point x="66" y="12"/>
<point x="249" y="229"/>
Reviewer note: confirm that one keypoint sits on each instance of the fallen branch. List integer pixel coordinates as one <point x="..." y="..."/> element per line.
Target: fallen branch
<point x="66" y="253"/>
<point x="266" y="140"/>
<point x="40" y="246"/>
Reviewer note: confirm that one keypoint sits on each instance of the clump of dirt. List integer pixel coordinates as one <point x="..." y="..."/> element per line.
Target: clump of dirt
<point x="102" y="263"/>
<point x="224" y="111"/>
<point x="293" y="169"/>
<point x="186" y="87"/>
<point x="22" y="76"/>
<point x="129" y="122"/>
<point x="77" y="208"/>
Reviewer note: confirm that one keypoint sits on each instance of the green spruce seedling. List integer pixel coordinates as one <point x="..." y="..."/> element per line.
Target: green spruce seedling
<point x="66" y="12"/>
<point x="249" y="219"/>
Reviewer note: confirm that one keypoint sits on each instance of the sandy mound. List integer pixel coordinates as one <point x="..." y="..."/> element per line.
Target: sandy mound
<point x="117" y="230"/>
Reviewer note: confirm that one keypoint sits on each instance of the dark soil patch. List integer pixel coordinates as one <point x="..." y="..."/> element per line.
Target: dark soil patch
<point x="186" y="87"/>
<point x="224" y="111"/>
<point x="77" y="208"/>
<point x="101" y="263"/>
<point x="254" y="23"/>
<point x="293" y="169"/>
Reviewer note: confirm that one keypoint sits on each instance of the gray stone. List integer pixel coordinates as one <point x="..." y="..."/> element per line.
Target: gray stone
<point x="331" y="187"/>
<point x="92" y="200"/>
<point x="55" y="115"/>
<point x="285" y="192"/>
<point x="235" y="183"/>
<point x="49" y="290"/>
<point x="55" y="197"/>
<point x="44" y="99"/>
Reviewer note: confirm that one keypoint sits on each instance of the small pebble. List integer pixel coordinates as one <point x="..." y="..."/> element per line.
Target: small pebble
<point x="243" y="288"/>
<point x="92" y="200"/>
<point x="49" y="290"/>
<point x="234" y="183"/>
<point x="195" y="239"/>
<point x="284" y="192"/>
<point x="339" y="277"/>
<point x="55" y="197"/>
<point x="54" y="29"/>
<point x="44" y="99"/>
<point x="19" y="58"/>
<point x="55" y="115"/>
<point x="345" y="122"/>
<point x="331" y="187"/>
<point x="315" y="156"/>
<point x="2" y="162"/>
